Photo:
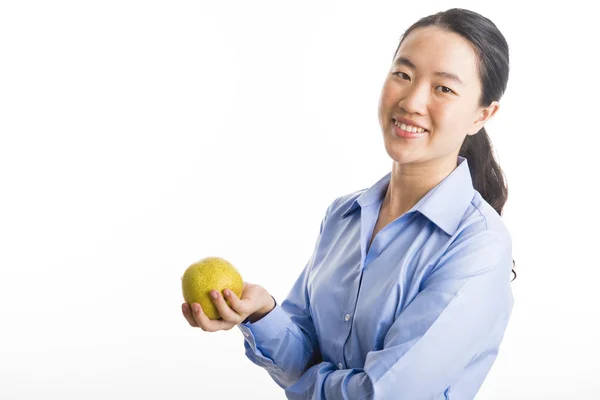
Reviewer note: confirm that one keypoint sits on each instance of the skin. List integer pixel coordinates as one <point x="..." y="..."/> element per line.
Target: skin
<point x="449" y="110"/>
<point x="254" y="304"/>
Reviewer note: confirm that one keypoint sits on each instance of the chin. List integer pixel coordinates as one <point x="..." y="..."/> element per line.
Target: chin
<point x="401" y="155"/>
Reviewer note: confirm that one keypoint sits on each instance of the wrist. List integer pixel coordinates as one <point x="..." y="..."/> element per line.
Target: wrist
<point x="267" y="308"/>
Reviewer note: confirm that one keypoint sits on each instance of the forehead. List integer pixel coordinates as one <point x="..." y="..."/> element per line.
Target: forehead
<point x="432" y="49"/>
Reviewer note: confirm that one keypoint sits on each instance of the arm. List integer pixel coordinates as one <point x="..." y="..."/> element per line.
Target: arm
<point x="284" y="341"/>
<point x="465" y="300"/>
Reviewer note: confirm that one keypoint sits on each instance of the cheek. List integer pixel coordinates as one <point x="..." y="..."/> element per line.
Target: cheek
<point x="448" y="118"/>
<point x="388" y="96"/>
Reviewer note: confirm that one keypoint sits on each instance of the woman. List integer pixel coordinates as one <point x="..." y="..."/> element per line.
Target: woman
<point x="407" y="294"/>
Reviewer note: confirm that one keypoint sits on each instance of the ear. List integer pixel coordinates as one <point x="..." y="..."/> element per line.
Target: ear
<point x="483" y="115"/>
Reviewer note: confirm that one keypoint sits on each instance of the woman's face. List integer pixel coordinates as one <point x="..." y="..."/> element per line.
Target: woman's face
<point x="433" y="82"/>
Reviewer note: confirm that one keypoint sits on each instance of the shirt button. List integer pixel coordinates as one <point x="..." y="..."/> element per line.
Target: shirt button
<point x="340" y="366"/>
<point x="246" y="334"/>
<point x="347" y="317"/>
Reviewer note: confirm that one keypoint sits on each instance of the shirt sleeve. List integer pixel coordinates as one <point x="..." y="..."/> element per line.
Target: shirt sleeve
<point x="465" y="302"/>
<point x="284" y="342"/>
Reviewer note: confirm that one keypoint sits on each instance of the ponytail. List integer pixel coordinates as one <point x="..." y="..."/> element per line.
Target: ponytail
<point x="488" y="178"/>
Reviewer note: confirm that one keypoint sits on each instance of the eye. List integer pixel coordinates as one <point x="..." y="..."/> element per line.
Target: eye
<point x="445" y="89"/>
<point x="401" y="75"/>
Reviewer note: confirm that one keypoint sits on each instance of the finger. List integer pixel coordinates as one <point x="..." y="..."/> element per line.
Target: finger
<point x="187" y="313"/>
<point x="224" y="310"/>
<point x="239" y="306"/>
<point x="207" y="324"/>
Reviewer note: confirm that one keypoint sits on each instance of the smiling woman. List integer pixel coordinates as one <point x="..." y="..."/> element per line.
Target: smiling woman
<point x="407" y="293"/>
<point x="472" y="45"/>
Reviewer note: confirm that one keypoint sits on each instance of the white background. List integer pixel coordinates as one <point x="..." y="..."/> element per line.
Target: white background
<point x="140" y="136"/>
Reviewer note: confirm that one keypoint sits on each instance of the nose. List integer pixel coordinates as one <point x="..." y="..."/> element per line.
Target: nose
<point x="414" y="100"/>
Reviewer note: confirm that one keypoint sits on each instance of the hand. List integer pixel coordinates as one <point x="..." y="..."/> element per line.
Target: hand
<point x="255" y="303"/>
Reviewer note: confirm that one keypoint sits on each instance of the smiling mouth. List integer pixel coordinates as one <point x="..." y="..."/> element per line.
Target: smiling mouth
<point x="409" y="128"/>
<point x="405" y="131"/>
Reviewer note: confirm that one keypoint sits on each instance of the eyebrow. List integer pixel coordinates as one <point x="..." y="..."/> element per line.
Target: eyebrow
<point x="410" y="64"/>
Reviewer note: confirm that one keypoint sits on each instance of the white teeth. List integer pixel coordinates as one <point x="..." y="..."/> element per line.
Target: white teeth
<point x="408" y="128"/>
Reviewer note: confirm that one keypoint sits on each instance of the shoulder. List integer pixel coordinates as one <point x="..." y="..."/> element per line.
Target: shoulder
<point x="481" y="243"/>
<point x="482" y="220"/>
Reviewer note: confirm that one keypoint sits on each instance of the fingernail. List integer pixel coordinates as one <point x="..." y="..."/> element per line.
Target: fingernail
<point x="226" y="291"/>
<point x="214" y="295"/>
<point x="196" y="308"/>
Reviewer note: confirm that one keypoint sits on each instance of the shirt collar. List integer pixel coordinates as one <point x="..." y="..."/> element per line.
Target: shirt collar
<point x="444" y="205"/>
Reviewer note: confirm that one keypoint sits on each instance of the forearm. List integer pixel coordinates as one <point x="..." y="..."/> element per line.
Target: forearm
<point x="326" y="381"/>
<point x="277" y="344"/>
<point x="422" y="361"/>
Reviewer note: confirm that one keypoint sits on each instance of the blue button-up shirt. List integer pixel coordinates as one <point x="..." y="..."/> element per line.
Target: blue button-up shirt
<point x="418" y="315"/>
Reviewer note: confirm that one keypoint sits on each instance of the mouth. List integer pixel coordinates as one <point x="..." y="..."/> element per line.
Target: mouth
<point x="408" y="131"/>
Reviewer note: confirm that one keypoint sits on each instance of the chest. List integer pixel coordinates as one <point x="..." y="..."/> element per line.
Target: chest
<point x="381" y="223"/>
<point x="345" y="297"/>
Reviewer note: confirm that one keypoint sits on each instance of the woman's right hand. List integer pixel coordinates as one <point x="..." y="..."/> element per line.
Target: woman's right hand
<point x="255" y="303"/>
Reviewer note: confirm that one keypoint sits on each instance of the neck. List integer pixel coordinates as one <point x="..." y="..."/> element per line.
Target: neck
<point x="409" y="183"/>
